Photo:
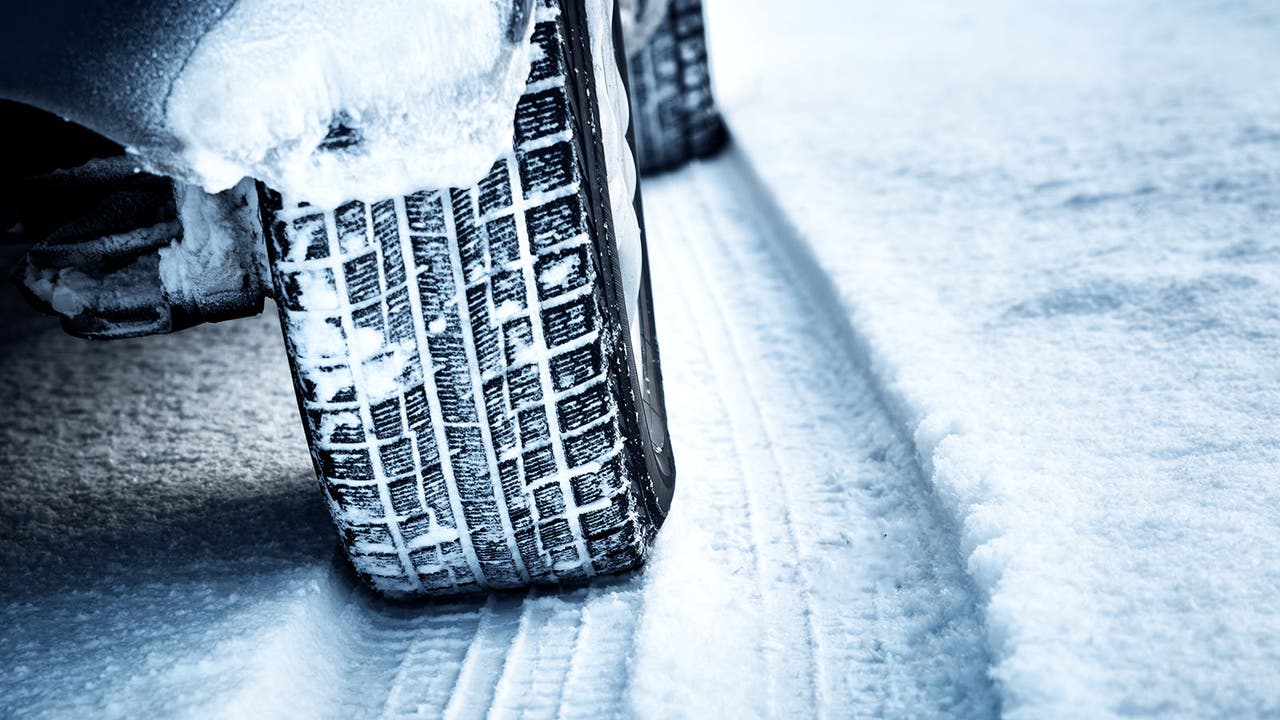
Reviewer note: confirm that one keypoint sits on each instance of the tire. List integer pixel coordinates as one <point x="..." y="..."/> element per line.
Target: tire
<point x="676" y="118"/>
<point x="500" y="436"/>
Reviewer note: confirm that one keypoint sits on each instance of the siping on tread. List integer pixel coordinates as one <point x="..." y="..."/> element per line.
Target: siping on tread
<point x="675" y="111"/>
<point x="452" y="360"/>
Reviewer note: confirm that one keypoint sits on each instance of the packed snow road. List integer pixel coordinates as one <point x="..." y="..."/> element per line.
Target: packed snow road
<point x="163" y="549"/>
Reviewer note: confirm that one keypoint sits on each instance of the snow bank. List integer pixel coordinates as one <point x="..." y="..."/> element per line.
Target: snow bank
<point x="324" y="102"/>
<point x="1054" y="227"/>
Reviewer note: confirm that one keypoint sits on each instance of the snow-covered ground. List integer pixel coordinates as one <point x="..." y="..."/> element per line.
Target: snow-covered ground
<point x="163" y="549"/>
<point x="971" y="348"/>
<point x="1054" y="227"/>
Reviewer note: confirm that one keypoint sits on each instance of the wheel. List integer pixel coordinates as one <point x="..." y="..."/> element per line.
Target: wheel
<point x="463" y="358"/>
<point x="675" y="112"/>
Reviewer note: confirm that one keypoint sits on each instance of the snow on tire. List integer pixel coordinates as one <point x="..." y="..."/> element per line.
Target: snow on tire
<point x="675" y="111"/>
<point x="461" y="359"/>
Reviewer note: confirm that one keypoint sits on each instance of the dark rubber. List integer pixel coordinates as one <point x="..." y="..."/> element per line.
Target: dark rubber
<point x="675" y="112"/>
<point x="461" y="359"/>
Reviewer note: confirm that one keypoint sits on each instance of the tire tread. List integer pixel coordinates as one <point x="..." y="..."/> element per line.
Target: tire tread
<point x="452" y="361"/>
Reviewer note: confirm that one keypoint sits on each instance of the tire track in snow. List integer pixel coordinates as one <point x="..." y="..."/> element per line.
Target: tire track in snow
<point x="786" y="647"/>
<point x="473" y="693"/>
<point x="893" y="621"/>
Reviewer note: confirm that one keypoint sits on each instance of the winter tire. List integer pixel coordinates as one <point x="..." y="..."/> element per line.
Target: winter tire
<point x="463" y="363"/>
<point x="675" y="113"/>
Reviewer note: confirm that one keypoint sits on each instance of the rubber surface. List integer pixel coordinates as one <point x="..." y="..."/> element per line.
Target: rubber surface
<point x="675" y="113"/>
<point x="461" y="364"/>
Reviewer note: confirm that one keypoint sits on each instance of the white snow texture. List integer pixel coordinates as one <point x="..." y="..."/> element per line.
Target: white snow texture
<point x="426" y="90"/>
<point x="970" y="345"/>
<point x="1054" y="227"/>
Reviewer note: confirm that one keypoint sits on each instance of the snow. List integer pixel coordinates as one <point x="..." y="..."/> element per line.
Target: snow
<point x="210" y="92"/>
<point x="427" y="91"/>
<point x="221" y="254"/>
<point x="969" y="345"/>
<point x="556" y="273"/>
<point x="164" y="549"/>
<point x="1052" y="228"/>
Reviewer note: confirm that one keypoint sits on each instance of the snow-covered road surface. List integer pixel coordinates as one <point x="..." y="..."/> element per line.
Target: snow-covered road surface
<point x="1053" y="225"/>
<point x="163" y="549"/>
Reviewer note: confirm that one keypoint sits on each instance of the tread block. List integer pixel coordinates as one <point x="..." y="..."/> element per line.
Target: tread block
<point x="542" y="113"/>
<point x="513" y="488"/>
<point x="310" y="230"/>
<point x="352" y="228"/>
<point x="621" y="545"/>
<point x="404" y="496"/>
<point x="555" y="533"/>
<point x="361" y="274"/>
<point x="539" y="463"/>
<point x="437" y="493"/>
<point x="431" y="258"/>
<point x="369" y="318"/>
<point x="495" y="190"/>
<point x="565" y="558"/>
<point x="471" y="467"/>
<point x="424" y="213"/>
<point x="353" y="465"/>
<point x="386" y="229"/>
<point x="359" y="497"/>
<point x="599" y="523"/>
<point x="427" y="559"/>
<point x="417" y="408"/>
<point x="487" y="343"/>
<point x="588" y="406"/>
<point x="401" y="326"/>
<point x="527" y="542"/>
<point x="509" y="294"/>
<point x="575" y="367"/>
<point x="386" y="419"/>
<point x="534" y="429"/>
<point x="397" y="458"/>
<point x="453" y="378"/>
<point x="498" y="415"/>
<point x="563" y="271"/>
<point x="591" y="444"/>
<point x="549" y="500"/>
<point x="339" y="427"/>
<point x="591" y="486"/>
<point x="375" y="534"/>
<point x="569" y="321"/>
<point x="415" y="526"/>
<point x="525" y="386"/>
<point x="504" y="241"/>
<point x="546" y="64"/>
<point x="552" y="222"/>
<point x="546" y="169"/>
<point x="433" y="578"/>
<point x="517" y="336"/>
